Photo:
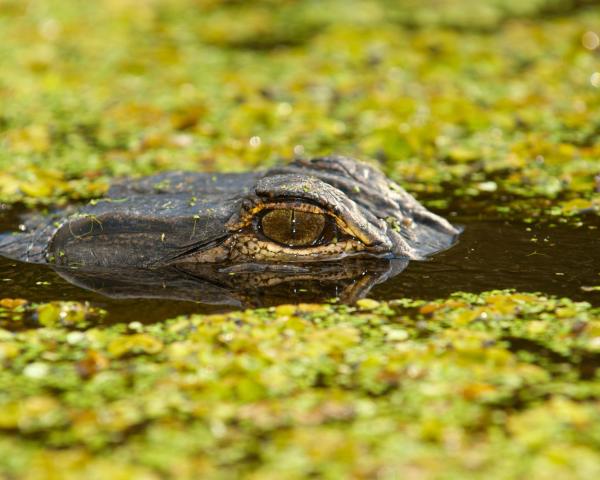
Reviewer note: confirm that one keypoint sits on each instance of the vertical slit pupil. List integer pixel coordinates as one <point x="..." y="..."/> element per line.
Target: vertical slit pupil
<point x="292" y="227"/>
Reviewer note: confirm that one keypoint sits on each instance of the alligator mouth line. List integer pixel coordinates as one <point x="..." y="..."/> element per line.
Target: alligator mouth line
<point x="191" y="249"/>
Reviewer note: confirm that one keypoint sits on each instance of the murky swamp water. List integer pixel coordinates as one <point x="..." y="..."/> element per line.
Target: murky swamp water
<point x="559" y="260"/>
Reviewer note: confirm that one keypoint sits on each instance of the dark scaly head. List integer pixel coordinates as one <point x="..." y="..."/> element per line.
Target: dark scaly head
<point x="326" y="209"/>
<point x="308" y="211"/>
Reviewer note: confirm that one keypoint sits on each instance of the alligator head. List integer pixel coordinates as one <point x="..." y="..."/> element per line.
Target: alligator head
<point x="319" y="210"/>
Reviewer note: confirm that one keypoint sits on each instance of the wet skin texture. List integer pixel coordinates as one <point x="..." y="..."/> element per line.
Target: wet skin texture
<point x="329" y="224"/>
<point x="308" y="211"/>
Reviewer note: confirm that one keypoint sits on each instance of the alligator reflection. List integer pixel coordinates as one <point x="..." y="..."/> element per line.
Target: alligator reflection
<point x="242" y="285"/>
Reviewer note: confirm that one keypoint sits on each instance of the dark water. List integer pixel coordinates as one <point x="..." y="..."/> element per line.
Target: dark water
<point x="491" y="254"/>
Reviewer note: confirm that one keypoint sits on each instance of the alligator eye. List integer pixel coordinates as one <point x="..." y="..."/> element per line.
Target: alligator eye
<point x="293" y="227"/>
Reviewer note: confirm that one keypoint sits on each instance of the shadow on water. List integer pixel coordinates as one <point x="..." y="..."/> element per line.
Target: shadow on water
<point x="490" y="255"/>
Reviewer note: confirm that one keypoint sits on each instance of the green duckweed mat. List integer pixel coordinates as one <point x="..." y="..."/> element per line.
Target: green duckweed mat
<point x="495" y="101"/>
<point x="497" y="385"/>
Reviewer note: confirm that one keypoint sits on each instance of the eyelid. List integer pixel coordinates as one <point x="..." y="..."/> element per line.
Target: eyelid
<point x="350" y="217"/>
<point x="299" y="206"/>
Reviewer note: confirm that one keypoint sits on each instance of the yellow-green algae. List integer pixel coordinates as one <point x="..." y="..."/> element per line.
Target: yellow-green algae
<point x="496" y="385"/>
<point x="499" y="96"/>
<point x="494" y="102"/>
<point x="18" y="313"/>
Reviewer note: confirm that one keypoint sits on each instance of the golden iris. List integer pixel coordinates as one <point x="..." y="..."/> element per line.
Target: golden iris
<point x="292" y="227"/>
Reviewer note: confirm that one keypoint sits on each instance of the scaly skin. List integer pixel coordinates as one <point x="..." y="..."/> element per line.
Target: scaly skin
<point x="201" y="237"/>
<point x="182" y="218"/>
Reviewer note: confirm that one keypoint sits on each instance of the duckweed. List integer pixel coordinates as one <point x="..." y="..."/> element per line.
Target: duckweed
<point x="17" y="313"/>
<point x="496" y="385"/>
<point x="434" y="92"/>
<point x="478" y="106"/>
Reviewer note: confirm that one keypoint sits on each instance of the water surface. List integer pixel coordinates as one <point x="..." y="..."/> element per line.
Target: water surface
<point x="491" y="254"/>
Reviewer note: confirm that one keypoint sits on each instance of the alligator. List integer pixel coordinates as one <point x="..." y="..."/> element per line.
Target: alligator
<point x="299" y="219"/>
